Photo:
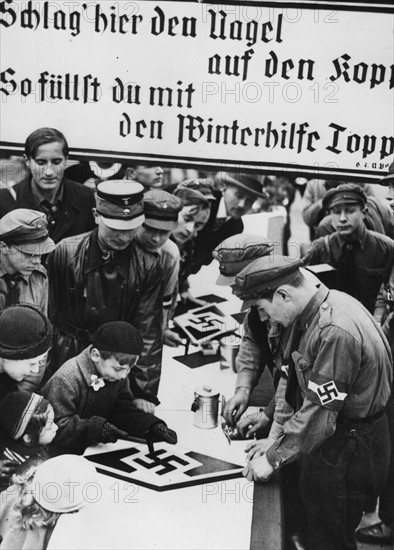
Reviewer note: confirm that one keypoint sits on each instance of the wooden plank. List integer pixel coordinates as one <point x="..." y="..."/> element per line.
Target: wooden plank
<point x="267" y="531"/>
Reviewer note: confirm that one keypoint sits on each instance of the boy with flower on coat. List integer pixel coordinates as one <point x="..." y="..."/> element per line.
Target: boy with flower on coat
<point x="92" y="398"/>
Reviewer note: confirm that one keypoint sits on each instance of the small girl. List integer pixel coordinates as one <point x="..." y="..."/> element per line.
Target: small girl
<point x="27" y="427"/>
<point x="39" y="496"/>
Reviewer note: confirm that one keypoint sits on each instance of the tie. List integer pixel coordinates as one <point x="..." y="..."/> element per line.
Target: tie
<point x="346" y="270"/>
<point x="13" y="293"/>
<point x="50" y="210"/>
<point x="218" y="223"/>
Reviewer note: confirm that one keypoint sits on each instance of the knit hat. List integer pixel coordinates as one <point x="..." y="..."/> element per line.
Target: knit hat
<point x="119" y="203"/>
<point x="161" y="209"/>
<point x="61" y="483"/>
<point x="17" y="409"/>
<point x="118" y="337"/>
<point x="25" y="332"/>
<point x="264" y="275"/>
<point x="26" y="230"/>
<point x="347" y="193"/>
<point x="237" y="252"/>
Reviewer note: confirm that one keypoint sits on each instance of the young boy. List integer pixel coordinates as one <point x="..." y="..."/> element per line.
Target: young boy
<point x="25" y="337"/>
<point x="161" y="211"/>
<point x="92" y="398"/>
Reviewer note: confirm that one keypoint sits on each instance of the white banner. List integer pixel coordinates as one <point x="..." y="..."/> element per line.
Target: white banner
<point x="202" y="84"/>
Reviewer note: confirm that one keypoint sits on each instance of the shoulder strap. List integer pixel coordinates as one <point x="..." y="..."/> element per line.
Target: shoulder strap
<point x="327" y="245"/>
<point x="12" y="192"/>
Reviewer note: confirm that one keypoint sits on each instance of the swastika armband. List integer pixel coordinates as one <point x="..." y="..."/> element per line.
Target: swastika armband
<point x="327" y="392"/>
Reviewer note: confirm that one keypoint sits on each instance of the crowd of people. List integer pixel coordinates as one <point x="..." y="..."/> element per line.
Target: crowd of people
<point x="93" y="261"/>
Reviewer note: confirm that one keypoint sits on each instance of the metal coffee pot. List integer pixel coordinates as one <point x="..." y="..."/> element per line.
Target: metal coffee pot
<point x="205" y="407"/>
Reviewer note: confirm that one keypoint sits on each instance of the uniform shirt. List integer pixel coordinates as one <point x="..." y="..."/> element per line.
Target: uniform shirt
<point x="344" y="370"/>
<point x="33" y="289"/>
<point x="168" y="258"/>
<point x="373" y="257"/>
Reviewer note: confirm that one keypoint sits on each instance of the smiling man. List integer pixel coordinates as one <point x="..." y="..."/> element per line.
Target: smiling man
<point x="363" y="258"/>
<point x="339" y="383"/>
<point x="235" y="197"/>
<point x="66" y="204"/>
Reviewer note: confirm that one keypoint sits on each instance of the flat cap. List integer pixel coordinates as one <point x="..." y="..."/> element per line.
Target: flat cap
<point x="389" y="179"/>
<point x="119" y="203"/>
<point x="247" y="182"/>
<point x="161" y="209"/>
<point x="264" y="275"/>
<point x="238" y="251"/>
<point x="347" y="193"/>
<point x="26" y="230"/>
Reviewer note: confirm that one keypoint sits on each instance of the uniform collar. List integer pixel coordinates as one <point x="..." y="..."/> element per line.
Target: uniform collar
<point x="96" y="257"/>
<point x="312" y="306"/>
<point x="361" y="238"/>
<point x="25" y="278"/>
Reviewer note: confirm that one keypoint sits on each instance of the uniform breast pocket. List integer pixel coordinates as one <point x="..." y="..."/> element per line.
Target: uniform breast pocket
<point x="303" y="366"/>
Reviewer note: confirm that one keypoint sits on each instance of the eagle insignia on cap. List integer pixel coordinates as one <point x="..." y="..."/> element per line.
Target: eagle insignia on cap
<point x="126" y="201"/>
<point x="164" y="205"/>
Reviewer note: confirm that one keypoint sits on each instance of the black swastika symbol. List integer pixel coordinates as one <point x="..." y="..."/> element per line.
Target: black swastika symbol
<point x="327" y="392"/>
<point x="165" y="462"/>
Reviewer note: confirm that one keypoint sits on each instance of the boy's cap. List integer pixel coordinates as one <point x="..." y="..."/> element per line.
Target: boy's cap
<point x="238" y="251"/>
<point x="264" y="275"/>
<point x="119" y="203"/>
<point x="118" y="337"/>
<point x="161" y="209"/>
<point x="60" y="483"/>
<point x="202" y="187"/>
<point x="347" y="193"/>
<point x="389" y="178"/>
<point x="26" y="230"/>
<point x="25" y="332"/>
<point x="248" y="183"/>
<point x="17" y="409"/>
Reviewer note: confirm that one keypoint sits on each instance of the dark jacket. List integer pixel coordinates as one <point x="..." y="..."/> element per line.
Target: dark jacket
<point x="373" y="258"/>
<point x="86" y="291"/>
<point x="208" y="238"/>
<point x="75" y="210"/>
<point x="81" y="411"/>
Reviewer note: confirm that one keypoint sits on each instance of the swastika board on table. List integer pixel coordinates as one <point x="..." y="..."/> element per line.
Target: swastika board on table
<point x="171" y="466"/>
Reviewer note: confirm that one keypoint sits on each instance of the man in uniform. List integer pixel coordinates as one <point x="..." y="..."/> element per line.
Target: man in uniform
<point x="362" y="258"/>
<point x="106" y="276"/>
<point x="258" y="341"/>
<point x="340" y="377"/>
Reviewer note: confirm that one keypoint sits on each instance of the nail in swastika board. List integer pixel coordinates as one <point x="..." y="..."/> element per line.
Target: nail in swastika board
<point x="171" y="466"/>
